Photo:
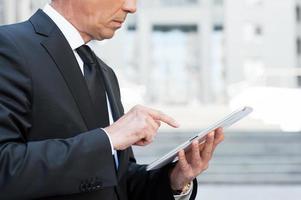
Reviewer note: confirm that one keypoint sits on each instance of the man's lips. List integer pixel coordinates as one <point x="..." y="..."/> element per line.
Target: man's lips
<point x="117" y="20"/>
<point x="117" y="23"/>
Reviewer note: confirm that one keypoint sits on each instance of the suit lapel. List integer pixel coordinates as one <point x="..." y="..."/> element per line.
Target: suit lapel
<point x="60" y="51"/>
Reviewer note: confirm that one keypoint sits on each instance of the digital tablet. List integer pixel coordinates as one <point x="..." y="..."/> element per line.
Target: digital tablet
<point x="223" y="123"/>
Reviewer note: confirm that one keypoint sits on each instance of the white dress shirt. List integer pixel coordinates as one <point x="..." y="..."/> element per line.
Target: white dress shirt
<point x="75" y="41"/>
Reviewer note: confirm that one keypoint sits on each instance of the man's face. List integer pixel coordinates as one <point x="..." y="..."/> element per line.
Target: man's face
<point x="99" y="19"/>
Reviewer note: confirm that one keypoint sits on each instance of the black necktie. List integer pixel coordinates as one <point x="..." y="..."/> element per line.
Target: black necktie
<point x="95" y="83"/>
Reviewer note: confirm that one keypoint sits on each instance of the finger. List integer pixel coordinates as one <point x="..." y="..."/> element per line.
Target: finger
<point x="207" y="151"/>
<point x="219" y="130"/>
<point x="158" y="123"/>
<point x="218" y="137"/>
<point x="185" y="166"/>
<point x="152" y="124"/>
<point x="158" y="115"/>
<point x="142" y="142"/>
<point x="183" y="161"/>
<point x="218" y="133"/>
<point x="148" y="137"/>
<point x="196" y="158"/>
<point x="201" y="146"/>
<point x="149" y="131"/>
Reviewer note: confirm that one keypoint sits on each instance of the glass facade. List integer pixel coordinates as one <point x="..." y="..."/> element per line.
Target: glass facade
<point x="175" y="65"/>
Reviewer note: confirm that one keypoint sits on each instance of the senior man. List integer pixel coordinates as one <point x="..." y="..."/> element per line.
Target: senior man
<point x="63" y="132"/>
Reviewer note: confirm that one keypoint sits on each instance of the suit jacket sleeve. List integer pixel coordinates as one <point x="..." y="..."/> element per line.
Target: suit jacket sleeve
<point x="49" y="167"/>
<point x="149" y="185"/>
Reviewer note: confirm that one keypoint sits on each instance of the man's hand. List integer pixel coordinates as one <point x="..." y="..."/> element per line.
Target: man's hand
<point x="195" y="161"/>
<point x="137" y="127"/>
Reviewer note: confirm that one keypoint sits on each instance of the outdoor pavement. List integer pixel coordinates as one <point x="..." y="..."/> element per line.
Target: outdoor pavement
<point x="249" y="192"/>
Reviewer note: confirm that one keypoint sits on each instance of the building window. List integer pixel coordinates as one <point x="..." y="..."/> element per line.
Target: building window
<point x="258" y="31"/>
<point x="298" y="13"/>
<point x="132" y="27"/>
<point x="182" y="28"/>
<point x="299" y="78"/>
<point x="298" y="49"/>
<point x="298" y="44"/>
<point x="299" y="81"/>
<point x="218" y="27"/>
<point x="174" y="59"/>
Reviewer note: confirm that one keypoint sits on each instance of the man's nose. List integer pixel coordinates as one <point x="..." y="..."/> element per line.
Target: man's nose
<point x="130" y="6"/>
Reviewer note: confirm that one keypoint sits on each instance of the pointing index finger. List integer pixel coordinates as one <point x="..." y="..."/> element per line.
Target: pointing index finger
<point x="158" y="115"/>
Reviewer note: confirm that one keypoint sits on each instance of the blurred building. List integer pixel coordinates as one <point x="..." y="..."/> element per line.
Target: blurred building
<point x="12" y="11"/>
<point x="263" y="43"/>
<point x="173" y="49"/>
<point x="181" y="49"/>
<point x="187" y="52"/>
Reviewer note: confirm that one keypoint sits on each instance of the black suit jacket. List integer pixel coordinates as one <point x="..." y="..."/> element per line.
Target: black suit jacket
<point x="51" y="146"/>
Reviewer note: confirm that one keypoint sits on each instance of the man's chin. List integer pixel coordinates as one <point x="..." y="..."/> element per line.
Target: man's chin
<point x="105" y="36"/>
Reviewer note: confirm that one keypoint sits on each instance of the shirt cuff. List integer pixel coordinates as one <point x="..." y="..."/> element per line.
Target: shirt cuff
<point x="112" y="147"/>
<point x="186" y="195"/>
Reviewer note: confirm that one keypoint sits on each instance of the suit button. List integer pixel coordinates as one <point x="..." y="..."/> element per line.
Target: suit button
<point x="98" y="184"/>
<point x="82" y="187"/>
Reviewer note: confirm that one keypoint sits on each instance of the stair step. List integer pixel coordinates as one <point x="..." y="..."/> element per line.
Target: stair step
<point x="244" y="157"/>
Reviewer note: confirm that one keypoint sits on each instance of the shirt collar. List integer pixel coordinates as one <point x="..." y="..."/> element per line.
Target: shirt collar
<point x="69" y="31"/>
